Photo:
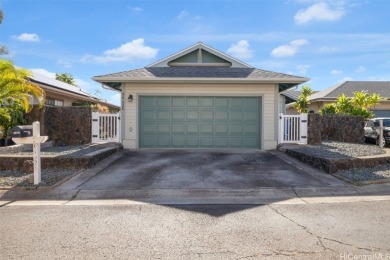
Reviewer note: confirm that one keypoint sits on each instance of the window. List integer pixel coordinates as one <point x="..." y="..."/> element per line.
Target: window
<point x="54" y="102"/>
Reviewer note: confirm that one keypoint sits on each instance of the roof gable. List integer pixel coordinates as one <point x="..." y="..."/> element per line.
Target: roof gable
<point x="199" y="55"/>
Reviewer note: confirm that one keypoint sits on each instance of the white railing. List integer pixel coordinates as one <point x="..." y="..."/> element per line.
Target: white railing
<point x="292" y="129"/>
<point x="106" y="128"/>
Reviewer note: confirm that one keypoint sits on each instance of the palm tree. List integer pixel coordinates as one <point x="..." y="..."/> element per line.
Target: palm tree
<point x="16" y="90"/>
<point x="3" y="49"/>
<point x="303" y="102"/>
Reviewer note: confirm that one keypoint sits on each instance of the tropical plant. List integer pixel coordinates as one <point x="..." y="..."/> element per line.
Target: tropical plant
<point x="17" y="94"/>
<point x="3" y="49"/>
<point x="302" y="104"/>
<point x="358" y="105"/>
<point x="329" y="109"/>
<point x="67" y="78"/>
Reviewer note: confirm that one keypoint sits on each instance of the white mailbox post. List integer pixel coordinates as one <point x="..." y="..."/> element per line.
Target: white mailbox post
<point x="35" y="139"/>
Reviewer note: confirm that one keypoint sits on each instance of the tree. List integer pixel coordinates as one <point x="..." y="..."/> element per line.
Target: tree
<point x="302" y="104"/>
<point x="3" y="49"/>
<point x="17" y="94"/>
<point x="67" y="78"/>
<point x="358" y="105"/>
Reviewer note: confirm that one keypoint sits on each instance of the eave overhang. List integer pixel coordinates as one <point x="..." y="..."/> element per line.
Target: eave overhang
<point x="115" y="83"/>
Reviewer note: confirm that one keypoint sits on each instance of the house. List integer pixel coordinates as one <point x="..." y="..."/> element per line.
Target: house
<point x="287" y="97"/>
<point x="322" y="98"/>
<point x="59" y="93"/>
<point x="200" y="98"/>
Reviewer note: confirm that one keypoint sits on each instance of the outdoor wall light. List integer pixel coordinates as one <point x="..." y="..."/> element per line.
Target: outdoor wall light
<point x="130" y="98"/>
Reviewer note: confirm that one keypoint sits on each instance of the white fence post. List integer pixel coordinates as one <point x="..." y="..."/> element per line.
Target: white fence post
<point x="37" y="153"/>
<point x="281" y="127"/>
<point x="303" y="129"/>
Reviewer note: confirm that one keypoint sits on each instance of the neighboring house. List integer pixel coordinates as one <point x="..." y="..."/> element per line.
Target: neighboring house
<point x="200" y="98"/>
<point x="59" y="93"/>
<point x="320" y="99"/>
<point x="287" y="97"/>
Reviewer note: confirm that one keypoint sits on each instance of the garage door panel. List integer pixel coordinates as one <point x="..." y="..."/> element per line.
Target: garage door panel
<point x="178" y="101"/>
<point x="236" y="102"/>
<point x="179" y="141"/>
<point x="221" y="142"/>
<point x="236" y="129"/>
<point x="250" y="142"/>
<point x="192" y="115"/>
<point x="192" y="141"/>
<point x="149" y="115"/>
<point x="192" y="129"/>
<point x="206" y="115"/>
<point x="163" y="102"/>
<point x="178" y="115"/>
<point x="192" y="101"/>
<point x="148" y="141"/>
<point x="235" y="142"/>
<point x="206" y="141"/>
<point x="163" y="141"/>
<point x="164" y="115"/>
<point x="148" y="101"/>
<point x="199" y="122"/>
<point x="149" y="128"/>
<point x="207" y="101"/>
<point x="163" y="128"/>
<point x="178" y="128"/>
<point x="221" y="102"/>
<point x="251" y="116"/>
<point x="251" y="129"/>
<point x="221" y="115"/>
<point x="207" y="129"/>
<point x="221" y="129"/>
<point x="236" y="115"/>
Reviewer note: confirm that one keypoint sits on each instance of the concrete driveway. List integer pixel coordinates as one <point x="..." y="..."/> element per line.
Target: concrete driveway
<point x="194" y="169"/>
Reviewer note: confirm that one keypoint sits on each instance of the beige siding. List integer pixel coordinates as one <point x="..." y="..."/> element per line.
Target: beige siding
<point x="266" y="91"/>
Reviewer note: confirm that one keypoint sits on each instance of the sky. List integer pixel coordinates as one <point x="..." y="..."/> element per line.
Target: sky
<point x="328" y="41"/>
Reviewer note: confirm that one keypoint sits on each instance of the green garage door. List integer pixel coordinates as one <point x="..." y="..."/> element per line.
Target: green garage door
<point x="199" y="122"/>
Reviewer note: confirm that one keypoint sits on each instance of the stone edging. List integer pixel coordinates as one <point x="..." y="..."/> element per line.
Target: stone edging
<point x="82" y="162"/>
<point x="333" y="165"/>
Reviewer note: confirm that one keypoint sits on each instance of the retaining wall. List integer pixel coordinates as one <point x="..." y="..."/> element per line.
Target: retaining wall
<point x="349" y="129"/>
<point x="64" y="125"/>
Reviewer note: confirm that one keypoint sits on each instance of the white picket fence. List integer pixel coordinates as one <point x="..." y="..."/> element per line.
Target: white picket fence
<point x="292" y="129"/>
<point x="106" y="128"/>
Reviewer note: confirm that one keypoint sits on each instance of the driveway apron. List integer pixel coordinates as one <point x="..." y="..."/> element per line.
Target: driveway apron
<point x="191" y="169"/>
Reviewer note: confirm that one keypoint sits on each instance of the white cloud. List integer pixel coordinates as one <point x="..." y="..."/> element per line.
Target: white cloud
<point x="27" y="37"/>
<point x="129" y="51"/>
<point x="115" y="99"/>
<point x="65" y="63"/>
<point x="320" y="12"/>
<point x="45" y="73"/>
<point x="327" y="49"/>
<point x="345" y="79"/>
<point x="302" y="69"/>
<point x="288" y="50"/>
<point x="137" y="9"/>
<point x="241" y="50"/>
<point x="336" y="72"/>
<point x="183" y="14"/>
<point x="82" y="83"/>
<point x="360" y="69"/>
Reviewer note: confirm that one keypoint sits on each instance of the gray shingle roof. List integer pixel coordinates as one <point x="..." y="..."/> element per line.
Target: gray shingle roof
<point x="199" y="72"/>
<point x="349" y="87"/>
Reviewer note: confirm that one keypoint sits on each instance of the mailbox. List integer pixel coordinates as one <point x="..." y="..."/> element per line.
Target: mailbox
<point x="21" y="131"/>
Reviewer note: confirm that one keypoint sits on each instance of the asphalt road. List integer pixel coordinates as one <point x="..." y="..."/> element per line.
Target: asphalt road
<point x="311" y="231"/>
